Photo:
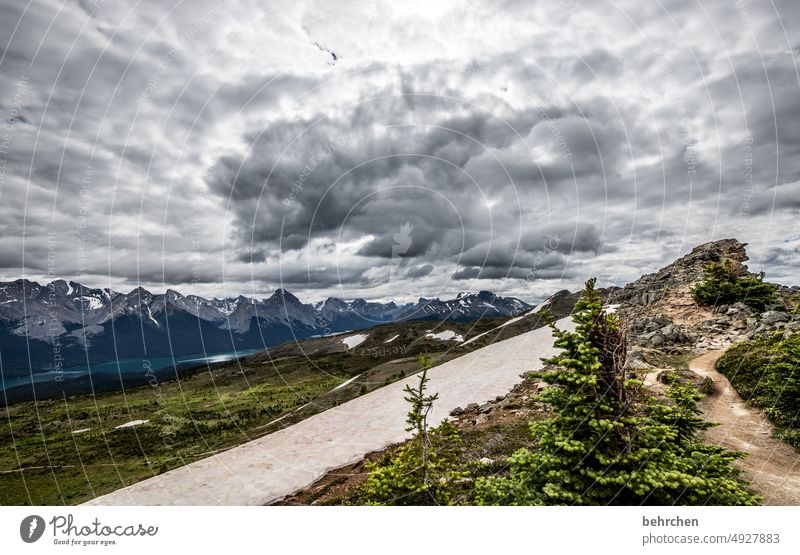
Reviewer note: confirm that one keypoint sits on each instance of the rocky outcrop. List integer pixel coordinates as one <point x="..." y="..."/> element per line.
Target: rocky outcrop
<point x="659" y="331"/>
<point x="660" y="314"/>
<point x="653" y="289"/>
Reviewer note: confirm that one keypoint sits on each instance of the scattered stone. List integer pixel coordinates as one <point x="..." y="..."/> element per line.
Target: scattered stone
<point x="656" y="340"/>
<point x="773" y="317"/>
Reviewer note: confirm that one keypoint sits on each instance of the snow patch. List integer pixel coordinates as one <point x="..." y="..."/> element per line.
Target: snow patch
<point x="611" y="309"/>
<point x="509" y="322"/>
<point x="131" y="424"/>
<point x="531" y="312"/>
<point x="348" y="382"/>
<point x="392" y="338"/>
<point x="150" y="315"/>
<point x="355" y="340"/>
<point x="82" y="430"/>
<point x="94" y="302"/>
<point x="471" y="339"/>
<point x="446" y="335"/>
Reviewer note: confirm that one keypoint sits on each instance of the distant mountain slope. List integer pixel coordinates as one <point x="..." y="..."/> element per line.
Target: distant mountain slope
<point x="67" y="324"/>
<point x="291" y="458"/>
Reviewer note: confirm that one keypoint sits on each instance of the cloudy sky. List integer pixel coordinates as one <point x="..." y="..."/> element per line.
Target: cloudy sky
<point x="394" y="149"/>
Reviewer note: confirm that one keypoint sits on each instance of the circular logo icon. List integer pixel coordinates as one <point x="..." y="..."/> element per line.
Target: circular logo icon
<point x="31" y="528"/>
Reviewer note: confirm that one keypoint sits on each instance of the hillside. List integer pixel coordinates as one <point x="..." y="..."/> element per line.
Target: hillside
<point x="670" y="338"/>
<point x="298" y="419"/>
<point x="201" y="410"/>
<point x="269" y="468"/>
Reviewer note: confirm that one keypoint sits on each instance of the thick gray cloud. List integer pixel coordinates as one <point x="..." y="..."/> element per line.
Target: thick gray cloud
<point x="519" y="146"/>
<point x="419" y="271"/>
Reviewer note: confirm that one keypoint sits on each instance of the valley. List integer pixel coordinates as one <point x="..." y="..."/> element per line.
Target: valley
<point x="74" y="447"/>
<point x="67" y="338"/>
<point x="285" y="416"/>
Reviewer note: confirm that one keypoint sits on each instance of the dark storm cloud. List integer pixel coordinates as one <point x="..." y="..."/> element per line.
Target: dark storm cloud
<point x="532" y="141"/>
<point x="493" y="273"/>
<point x="781" y="197"/>
<point x="565" y="238"/>
<point x="781" y="256"/>
<point x="253" y="256"/>
<point x="419" y="271"/>
<point x="391" y="244"/>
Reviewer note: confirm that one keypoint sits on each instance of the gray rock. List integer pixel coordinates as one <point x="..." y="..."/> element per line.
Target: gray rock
<point x="774" y="316"/>
<point x="657" y="340"/>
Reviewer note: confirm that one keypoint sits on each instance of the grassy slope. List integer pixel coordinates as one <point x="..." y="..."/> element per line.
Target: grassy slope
<point x="43" y="462"/>
<point x="766" y="373"/>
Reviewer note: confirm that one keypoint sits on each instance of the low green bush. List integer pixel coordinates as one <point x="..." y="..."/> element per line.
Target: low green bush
<point x="766" y="373"/>
<point x="722" y="284"/>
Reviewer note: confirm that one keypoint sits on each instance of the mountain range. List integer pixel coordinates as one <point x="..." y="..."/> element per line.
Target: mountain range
<point x="66" y="324"/>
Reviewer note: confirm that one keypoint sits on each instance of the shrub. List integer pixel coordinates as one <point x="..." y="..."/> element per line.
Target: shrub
<point x="421" y="471"/>
<point x="722" y="284"/>
<point x="707" y="386"/>
<point x="606" y="443"/>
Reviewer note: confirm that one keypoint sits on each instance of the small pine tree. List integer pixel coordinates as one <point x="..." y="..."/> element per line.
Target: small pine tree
<point x="417" y="418"/>
<point x="723" y="284"/>
<point x="606" y="443"/>
<point x="422" y="470"/>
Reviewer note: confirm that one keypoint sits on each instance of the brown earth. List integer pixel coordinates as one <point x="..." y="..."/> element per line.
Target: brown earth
<point x="681" y="308"/>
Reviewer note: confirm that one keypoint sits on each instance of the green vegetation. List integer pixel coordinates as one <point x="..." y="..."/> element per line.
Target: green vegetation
<point x="603" y="441"/>
<point x="722" y="284"/>
<point x="47" y="458"/>
<point x="422" y="471"/>
<point x="606" y="442"/>
<point x="766" y="373"/>
<point x="44" y="462"/>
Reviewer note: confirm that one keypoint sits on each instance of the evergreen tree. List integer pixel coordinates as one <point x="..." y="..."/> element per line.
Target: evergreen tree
<point x="417" y="418"/>
<point x="606" y="442"/>
<point x="723" y="284"/>
<point x="421" y="471"/>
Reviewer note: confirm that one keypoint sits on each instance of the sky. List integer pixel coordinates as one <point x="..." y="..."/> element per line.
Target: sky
<point x="394" y="150"/>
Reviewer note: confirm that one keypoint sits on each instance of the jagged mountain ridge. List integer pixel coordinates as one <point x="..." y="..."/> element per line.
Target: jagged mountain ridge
<point x="101" y="324"/>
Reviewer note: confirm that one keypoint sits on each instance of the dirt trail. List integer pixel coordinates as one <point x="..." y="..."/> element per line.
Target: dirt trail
<point x="772" y="466"/>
